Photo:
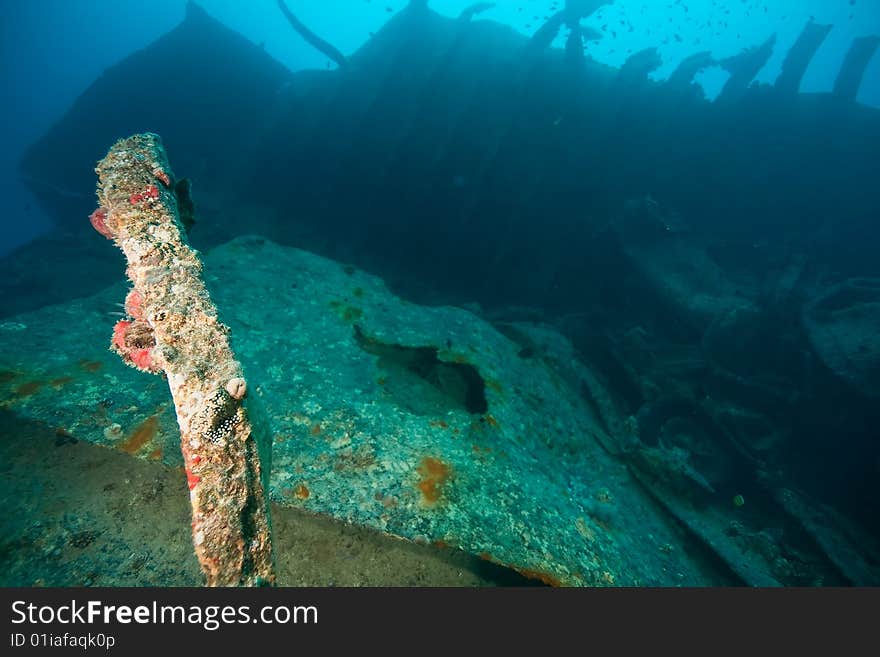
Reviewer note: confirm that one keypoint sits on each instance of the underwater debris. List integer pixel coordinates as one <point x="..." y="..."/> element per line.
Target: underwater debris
<point x="313" y="39"/>
<point x="174" y="330"/>
<point x="849" y="80"/>
<point x="639" y="65"/>
<point x="744" y="67"/>
<point x="569" y="15"/>
<point x="842" y="325"/>
<point x="799" y="57"/>
<point x="683" y="75"/>
<point x="486" y="189"/>
<point x="516" y="491"/>
<point x="470" y="11"/>
<point x="840" y="544"/>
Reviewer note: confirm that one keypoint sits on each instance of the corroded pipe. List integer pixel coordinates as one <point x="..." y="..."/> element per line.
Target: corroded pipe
<point x="173" y="330"/>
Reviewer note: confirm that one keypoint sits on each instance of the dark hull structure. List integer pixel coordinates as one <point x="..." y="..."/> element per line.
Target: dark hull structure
<point x="713" y="262"/>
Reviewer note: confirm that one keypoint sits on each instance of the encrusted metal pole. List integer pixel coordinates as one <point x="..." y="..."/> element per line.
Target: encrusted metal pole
<point x="173" y="329"/>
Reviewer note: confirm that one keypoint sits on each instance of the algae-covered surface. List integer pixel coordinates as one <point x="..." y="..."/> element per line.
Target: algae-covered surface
<point x="424" y="423"/>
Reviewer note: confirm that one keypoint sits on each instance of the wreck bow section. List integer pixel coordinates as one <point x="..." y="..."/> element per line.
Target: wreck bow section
<point x="173" y="329"/>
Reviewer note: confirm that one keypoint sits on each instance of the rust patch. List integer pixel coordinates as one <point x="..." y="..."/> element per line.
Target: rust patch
<point x="546" y="578"/>
<point x="434" y="474"/>
<point x="144" y="433"/>
<point x="60" y="381"/>
<point x="156" y="454"/>
<point x="439" y="424"/>
<point x="301" y="492"/>
<point x="316" y="429"/>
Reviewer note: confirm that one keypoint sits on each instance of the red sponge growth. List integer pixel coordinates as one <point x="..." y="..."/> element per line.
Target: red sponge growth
<point x="134" y="342"/>
<point x="99" y="222"/>
<point x="192" y="480"/>
<point x="162" y="176"/>
<point x="133" y="303"/>
<point x="151" y="192"/>
<point x="118" y="341"/>
<point x="142" y="360"/>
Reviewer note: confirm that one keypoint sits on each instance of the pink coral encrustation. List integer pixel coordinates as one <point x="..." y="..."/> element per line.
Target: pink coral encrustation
<point x="99" y="222"/>
<point x="133" y="301"/>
